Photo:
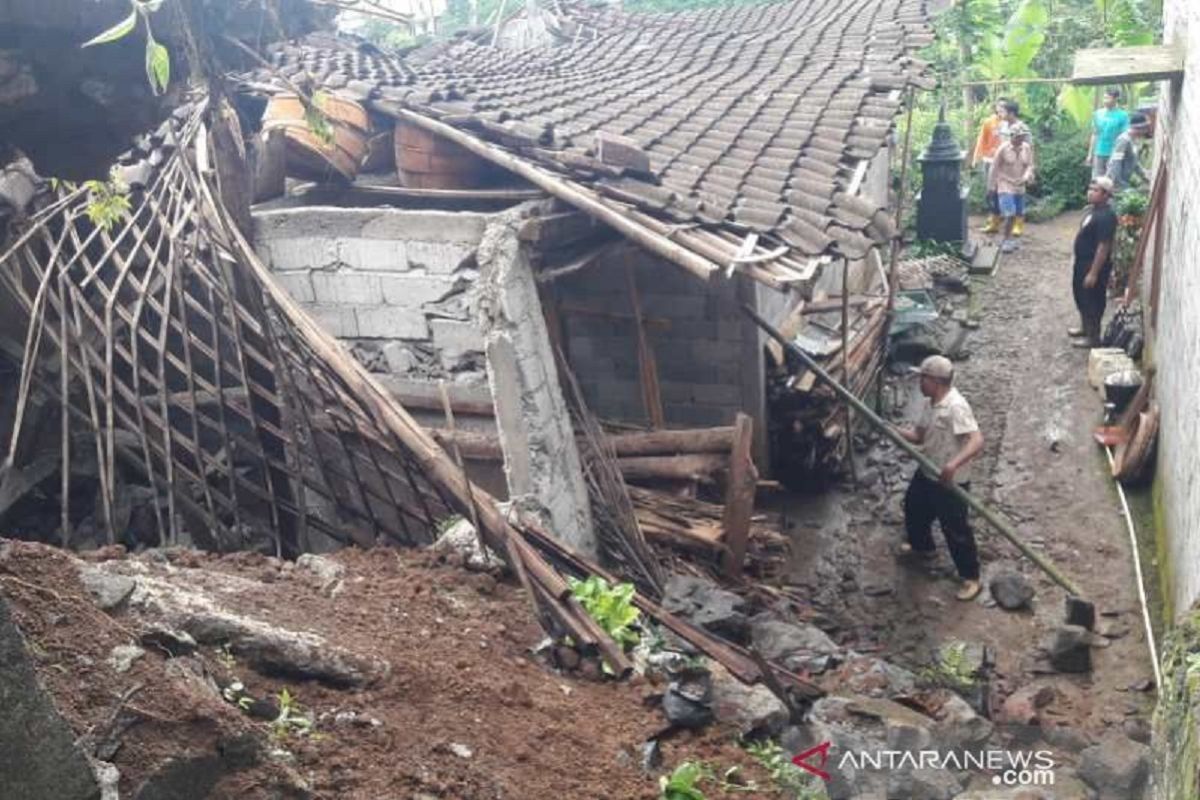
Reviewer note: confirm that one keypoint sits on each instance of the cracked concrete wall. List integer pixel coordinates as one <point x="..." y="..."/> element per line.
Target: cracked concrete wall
<point x="1177" y="343"/>
<point x="541" y="461"/>
<point x="396" y="285"/>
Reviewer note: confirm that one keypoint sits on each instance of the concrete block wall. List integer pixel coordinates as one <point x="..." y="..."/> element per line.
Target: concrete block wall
<point x="709" y="360"/>
<point x="394" y="284"/>
<point x="1176" y="342"/>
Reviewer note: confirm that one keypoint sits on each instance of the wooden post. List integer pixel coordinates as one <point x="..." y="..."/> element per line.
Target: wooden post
<point x="899" y="220"/>
<point x="647" y="367"/>
<point x="739" y="497"/>
<point x="846" y="367"/>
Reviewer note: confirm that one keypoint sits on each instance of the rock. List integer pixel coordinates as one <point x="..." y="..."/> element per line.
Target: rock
<point x="797" y="646"/>
<point x="751" y="709"/>
<point x="651" y="752"/>
<point x="1069" y="649"/>
<point x="688" y="701"/>
<point x="1066" y="738"/>
<point x="460" y="750"/>
<point x="108" y="778"/>
<point x="1117" y="768"/>
<point x="1021" y="707"/>
<point x="326" y="569"/>
<point x="107" y="589"/>
<point x="924" y="784"/>
<point x="195" y="775"/>
<point x="873" y="677"/>
<point x="958" y="726"/>
<point x="174" y="643"/>
<point x="38" y="756"/>
<point x="707" y="605"/>
<point x="460" y="539"/>
<point x="1137" y="729"/>
<point x="1068" y="786"/>
<point x="122" y="657"/>
<point x="1081" y="613"/>
<point x="1011" y="591"/>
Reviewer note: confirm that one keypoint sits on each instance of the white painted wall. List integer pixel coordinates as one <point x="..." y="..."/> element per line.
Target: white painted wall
<point x="1177" y="344"/>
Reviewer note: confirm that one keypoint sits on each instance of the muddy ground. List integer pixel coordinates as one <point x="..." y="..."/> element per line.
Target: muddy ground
<point x="1029" y="390"/>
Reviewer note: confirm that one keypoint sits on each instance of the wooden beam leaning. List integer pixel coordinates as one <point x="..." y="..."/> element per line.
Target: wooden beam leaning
<point x="739" y="497"/>
<point x="582" y="199"/>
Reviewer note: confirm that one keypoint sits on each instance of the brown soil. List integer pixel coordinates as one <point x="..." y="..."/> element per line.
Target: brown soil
<point x="462" y="674"/>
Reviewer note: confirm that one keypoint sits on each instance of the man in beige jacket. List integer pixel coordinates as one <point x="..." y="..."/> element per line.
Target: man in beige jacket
<point x="1012" y="172"/>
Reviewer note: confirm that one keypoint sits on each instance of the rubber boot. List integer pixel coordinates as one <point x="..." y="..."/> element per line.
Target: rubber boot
<point x="1018" y="226"/>
<point x="992" y="225"/>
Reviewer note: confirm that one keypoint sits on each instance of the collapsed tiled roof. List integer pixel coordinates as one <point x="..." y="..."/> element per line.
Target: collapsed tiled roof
<point x="753" y="117"/>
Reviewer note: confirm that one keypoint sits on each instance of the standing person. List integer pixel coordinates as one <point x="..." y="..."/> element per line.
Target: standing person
<point x="990" y="138"/>
<point x="1012" y="171"/>
<point x="1093" y="261"/>
<point x="1123" y="164"/>
<point x="1108" y="123"/>
<point x="950" y="437"/>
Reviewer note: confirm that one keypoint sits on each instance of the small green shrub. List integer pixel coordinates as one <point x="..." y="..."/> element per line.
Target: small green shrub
<point x="684" y="782"/>
<point x="611" y="606"/>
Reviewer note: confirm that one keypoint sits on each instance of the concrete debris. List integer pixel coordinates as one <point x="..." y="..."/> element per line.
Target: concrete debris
<point x="327" y="571"/>
<point x="1082" y="613"/>
<point x="958" y="725"/>
<point x="1069" y="649"/>
<point x="109" y="590"/>
<point x="460" y="538"/>
<point x="1023" y="705"/>
<point x="174" y="643"/>
<point x="108" y="777"/>
<point x="1011" y="591"/>
<point x="39" y="759"/>
<point x="1117" y="767"/>
<point x="460" y="750"/>
<point x="688" y="701"/>
<point x="122" y="657"/>
<point x="704" y="603"/>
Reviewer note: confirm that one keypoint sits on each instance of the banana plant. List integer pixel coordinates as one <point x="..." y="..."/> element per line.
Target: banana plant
<point x="158" y="59"/>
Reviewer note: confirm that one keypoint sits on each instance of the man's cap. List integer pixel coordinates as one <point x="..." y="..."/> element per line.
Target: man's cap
<point x="938" y="367"/>
<point x="1019" y="129"/>
<point x="1139" y="120"/>
<point x="1103" y="182"/>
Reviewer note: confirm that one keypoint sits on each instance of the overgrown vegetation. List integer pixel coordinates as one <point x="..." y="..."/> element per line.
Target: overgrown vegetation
<point x="1024" y="50"/>
<point x="951" y="668"/>
<point x="788" y="779"/>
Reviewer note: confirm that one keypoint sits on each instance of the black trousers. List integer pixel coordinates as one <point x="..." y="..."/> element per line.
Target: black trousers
<point x="1090" y="302"/>
<point x="927" y="500"/>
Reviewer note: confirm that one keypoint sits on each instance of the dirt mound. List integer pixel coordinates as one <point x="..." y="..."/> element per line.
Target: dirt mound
<point x="463" y="708"/>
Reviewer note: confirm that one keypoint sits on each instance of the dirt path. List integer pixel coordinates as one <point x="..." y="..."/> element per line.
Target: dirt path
<point x="1029" y="391"/>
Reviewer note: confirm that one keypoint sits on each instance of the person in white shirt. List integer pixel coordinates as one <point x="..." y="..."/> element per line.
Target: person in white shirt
<point x="950" y="437"/>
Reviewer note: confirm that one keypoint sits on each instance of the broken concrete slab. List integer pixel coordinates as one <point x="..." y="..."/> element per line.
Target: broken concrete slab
<point x="706" y="604"/>
<point x="798" y="646"/>
<point x="38" y="756"/>
<point x="749" y="709"/>
<point x="109" y="590"/>
<point x="1117" y="767"/>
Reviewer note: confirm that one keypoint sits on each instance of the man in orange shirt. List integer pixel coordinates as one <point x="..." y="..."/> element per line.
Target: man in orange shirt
<point x="991" y="136"/>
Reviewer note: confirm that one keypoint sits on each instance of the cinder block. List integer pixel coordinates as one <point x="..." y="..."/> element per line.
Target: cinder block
<point x="298" y="253"/>
<point x="439" y="257"/>
<point x="673" y="307"/>
<point x="454" y="336"/>
<point x="391" y="322"/>
<point x="427" y="226"/>
<point x="340" y="321"/>
<point x="297" y="285"/>
<point x="346" y="287"/>
<point x="374" y="255"/>
<point x="414" y="291"/>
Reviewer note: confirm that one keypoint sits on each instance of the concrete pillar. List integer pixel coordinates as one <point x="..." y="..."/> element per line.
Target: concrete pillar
<point x="541" y="461"/>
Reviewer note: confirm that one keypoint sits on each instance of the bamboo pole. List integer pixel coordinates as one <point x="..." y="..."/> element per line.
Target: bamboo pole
<point x="985" y="511"/>
<point x="846" y="368"/>
<point x="899" y="220"/>
<point x="582" y="199"/>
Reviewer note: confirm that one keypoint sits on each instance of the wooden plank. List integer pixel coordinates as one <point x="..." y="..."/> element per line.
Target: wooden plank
<point x="693" y="441"/>
<point x="790" y="326"/>
<point x="647" y="367"/>
<point x="739" y="497"/>
<point x="1107" y="65"/>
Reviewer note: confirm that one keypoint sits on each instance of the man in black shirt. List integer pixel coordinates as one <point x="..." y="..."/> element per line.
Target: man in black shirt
<point x="1093" y="261"/>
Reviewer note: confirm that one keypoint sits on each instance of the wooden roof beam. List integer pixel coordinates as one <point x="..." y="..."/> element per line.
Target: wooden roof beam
<point x="1109" y="65"/>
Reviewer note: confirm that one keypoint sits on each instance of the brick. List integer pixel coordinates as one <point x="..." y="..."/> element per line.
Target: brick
<point x="346" y="287"/>
<point x="297" y="285"/>
<point x="299" y="253"/>
<point x="440" y="257"/>
<point x="415" y="291"/>
<point x="391" y="322"/>
<point x="341" y="321"/>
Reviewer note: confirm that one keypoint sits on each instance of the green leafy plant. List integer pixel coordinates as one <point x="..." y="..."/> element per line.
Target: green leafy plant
<point x="684" y="782"/>
<point x="318" y="121"/>
<point x="1132" y="203"/>
<point x="611" y="606"/>
<point x="789" y="778"/>
<point x="158" y="59"/>
<point x="951" y="668"/>
<point x="292" y="719"/>
<point x="108" y="202"/>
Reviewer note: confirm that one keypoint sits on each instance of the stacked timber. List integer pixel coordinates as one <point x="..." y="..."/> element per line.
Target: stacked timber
<point x="808" y="421"/>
